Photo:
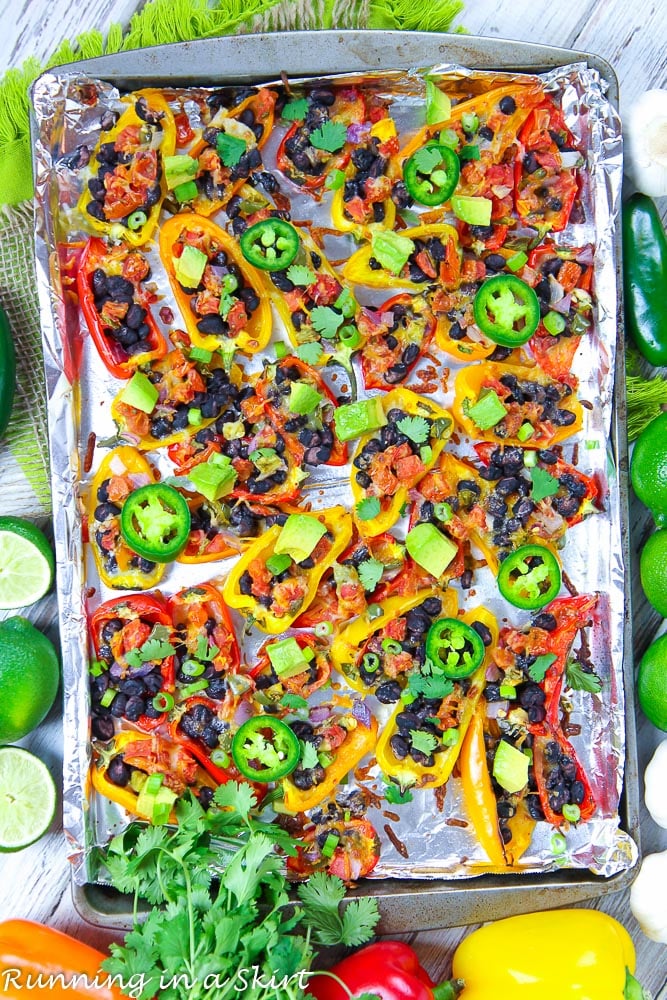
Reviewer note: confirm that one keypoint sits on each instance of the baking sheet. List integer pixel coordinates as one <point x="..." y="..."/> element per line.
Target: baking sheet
<point x="615" y="852"/>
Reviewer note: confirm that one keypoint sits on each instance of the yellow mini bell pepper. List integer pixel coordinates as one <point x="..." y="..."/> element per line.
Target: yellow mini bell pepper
<point x="358" y="270"/>
<point x="274" y="604"/>
<point x="408" y="470"/>
<point x="384" y="131"/>
<point x="553" y="955"/>
<point x="461" y="704"/>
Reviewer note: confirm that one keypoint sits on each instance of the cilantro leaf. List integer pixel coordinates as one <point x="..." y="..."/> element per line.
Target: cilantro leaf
<point x="582" y="680"/>
<point x="330" y="136"/>
<point x="431" y="687"/>
<point x="416" y="428"/>
<point x="321" y="897"/>
<point x="397" y="796"/>
<point x="537" y="671"/>
<point x="360" y="919"/>
<point x="293" y="701"/>
<point x="370" y="573"/>
<point x="326" y="321"/>
<point x="230" y="148"/>
<point x="298" y="274"/>
<point x="544" y="484"/>
<point x="309" y="758"/>
<point x="204" y="651"/>
<point x="133" y="657"/>
<point x="236" y="795"/>
<point x="155" y="649"/>
<point x="295" y="111"/>
<point x="368" y="508"/>
<point x="310" y="353"/>
<point x="427" y="158"/>
<point x="423" y="741"/>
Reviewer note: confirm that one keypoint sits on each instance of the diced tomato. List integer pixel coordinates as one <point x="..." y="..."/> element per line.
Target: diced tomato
<point x="396" y="629"/>
<point x="135" y="633"/>
<point x="324" y="290"/>
<point x="237" y="318"/>
<point x="261" y="578"/>
<point x="135" y="267"/>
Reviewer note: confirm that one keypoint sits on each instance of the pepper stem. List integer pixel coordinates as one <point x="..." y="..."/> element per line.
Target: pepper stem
<point x="450" y="989"/>
<point x="343" y="986"/>
<point x="634" y="989"/>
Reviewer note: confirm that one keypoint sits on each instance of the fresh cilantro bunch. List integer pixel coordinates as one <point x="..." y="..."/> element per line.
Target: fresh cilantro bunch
<point x="222" y="923"/>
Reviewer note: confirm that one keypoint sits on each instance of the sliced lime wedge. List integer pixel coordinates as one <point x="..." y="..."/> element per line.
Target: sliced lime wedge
<point x="26" y="569"/>
<point x="27" y="798"/>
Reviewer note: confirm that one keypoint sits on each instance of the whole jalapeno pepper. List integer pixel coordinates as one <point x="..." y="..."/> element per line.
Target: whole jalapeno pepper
<point x="645" y="276"/>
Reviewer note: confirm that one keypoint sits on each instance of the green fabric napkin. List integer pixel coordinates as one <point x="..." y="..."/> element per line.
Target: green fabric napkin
<point x="159" y="22"/>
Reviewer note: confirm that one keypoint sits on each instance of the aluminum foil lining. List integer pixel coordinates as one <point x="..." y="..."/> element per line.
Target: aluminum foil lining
<point x="430" y="837"/>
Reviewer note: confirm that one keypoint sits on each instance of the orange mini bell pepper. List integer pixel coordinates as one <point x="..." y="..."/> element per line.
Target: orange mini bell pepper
<point x="223" y="302"/>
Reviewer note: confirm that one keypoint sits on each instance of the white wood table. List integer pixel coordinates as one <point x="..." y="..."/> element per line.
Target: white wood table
<point x="35" y="884"/>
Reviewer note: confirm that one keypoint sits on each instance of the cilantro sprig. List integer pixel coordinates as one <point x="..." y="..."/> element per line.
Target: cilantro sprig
<point x="156" y="647"/>
<point x="330" y="136"/>
<point x="368" y="508"/>
<point x="582" y="680"/>
<point x="370" y="573"/>
<point x="415" y="428"/>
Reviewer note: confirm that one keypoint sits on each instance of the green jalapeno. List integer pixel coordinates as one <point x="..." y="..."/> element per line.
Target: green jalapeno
<point x="270" y="245"/>
<point x="265" y="749"/>
<point x="507" y="310"/>
<point x="454" y="648"/>
<point x="155" y="522"/>
<point x="431" y="174"/>
<point x="530" y="577"/>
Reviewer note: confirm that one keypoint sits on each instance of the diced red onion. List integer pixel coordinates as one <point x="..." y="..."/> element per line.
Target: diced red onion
<point x="495" y="708"/>
<point x="320" y="714"/>
<point x="501" y="190"/>
<point x="141" y="671"/>
<point x="571" y="159"/>
<point x="556" y="290"/>
<point x="362" y="713"/>
<point x="115" y="670"/>
<point x="357" y="131"/>
<point x="140" y="479"/>
<point x="586" y="256"/>
<point x="117" y="466"/>
<point x="492" y="673"/>
<point x="243" y="712"/>
<point x="563" y="306"/>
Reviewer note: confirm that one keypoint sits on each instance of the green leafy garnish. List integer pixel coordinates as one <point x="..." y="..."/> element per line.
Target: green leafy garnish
<point x="427" y="158"/>
<point x="293" y="701"/>
<point x="230" y="148"/>
<point x="544" y="484"/>
<point x="295" y="111"/>
<point x="368" y="508"/>
<point x="321" y="897"/>
<point x="370" y="573"/>
<point x="309" y="758"/>
<point x="300" y="275"/>
<point x="205" y="651"/>
<point x="326" y="321"/>
<point x="537" y="670"/>
<point x="330" y="136"/>
<point x="397" y="796"/>
<point x="433" y="686"/>
<point x="157" y="647"/>
<point x="423" y="741"/>
<point x="415" y="428"/>
<point x="310" y="353"/>
<point x="582" y="680"/>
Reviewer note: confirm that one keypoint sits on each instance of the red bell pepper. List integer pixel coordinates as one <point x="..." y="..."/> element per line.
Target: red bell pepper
<point x="387" y="969"/>
<point x="203" y="624"/>
<point x="198" y="723"/>
<point x="105" y="311"/>
<point x="136" y="618"/>
<point x="553" y="752"/>
<point x="69" y="257"/>
<point x="545" y="189"/>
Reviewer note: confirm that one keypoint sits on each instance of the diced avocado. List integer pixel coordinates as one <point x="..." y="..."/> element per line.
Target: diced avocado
<point x="354" y="419"/>
<point x="190" y="266"/>
<point x="278" y="564"/>
<point x="432" y="550"/>
<point x="186" y="192"/>
<point x="299" y="536"/>
<point x="391" y="249"/>
<point x="213" y="479"/>
<point x="303" y="398"/>
<point x="474" y="211"/>
<point x="140" y="393"/>
<point x="510" y="767"/>
<point x="179" y="170"/>
<point x="488" y="410"/>
<point x="287" y="658"/>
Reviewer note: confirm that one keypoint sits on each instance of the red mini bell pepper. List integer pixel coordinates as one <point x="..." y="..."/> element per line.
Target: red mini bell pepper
<point x="396" y="334"/>
<point x="204" y="627"/>
<point x="546" y="184"/>
<point x="387" y="969"/>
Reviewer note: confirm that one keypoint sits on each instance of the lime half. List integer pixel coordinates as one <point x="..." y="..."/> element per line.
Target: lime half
<point x="26" y="563"/>
<point x="27" y="798"/>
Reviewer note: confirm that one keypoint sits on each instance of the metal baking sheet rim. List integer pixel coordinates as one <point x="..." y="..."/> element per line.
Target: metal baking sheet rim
<point x="422" y="904"/>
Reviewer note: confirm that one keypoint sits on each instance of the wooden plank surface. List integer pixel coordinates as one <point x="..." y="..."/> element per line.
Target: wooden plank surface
<point x="633" y="37"/>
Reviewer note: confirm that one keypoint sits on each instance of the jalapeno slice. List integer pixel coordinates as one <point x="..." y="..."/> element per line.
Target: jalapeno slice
<point x="530" y="577"/>
<point x="155" y="522"/>
<point x="454" y="648"/>
<point x="265" y="749"/>
<point x="270" y="245"/>
<point x="507" y="310"/>
<point x="431" y="174"/>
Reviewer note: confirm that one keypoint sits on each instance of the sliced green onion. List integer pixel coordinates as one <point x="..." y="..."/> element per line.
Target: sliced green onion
<point x="330" y="845"/>
<point x="323" y="629"/>
<point x="163" y="702"/>
<point x="195" y="416"/>
<point x="450" y="737"/>
<point x="407" y="697"/>
<point x="426" y="453"/>
<point x="161" y="813"/>
<point x="220" y="758"/>
<point x="469" y="121"/>
<point x="507" y="691"/>
<point x="107" y="698"/>
<point x="554" y="323"/>
<point x="308" y="653"/>
<point x="530" y="459"/>
<point x="591" y="444"/>
<point x="518" y="261"/>
<point x="349" y="336"/>
<point x="448" y="137"/>
<point x="137" y="220"/>
<point x="370" y="662"/>
<point x="187" y="191"/>
<point x="572" y="812"/>
<point x="153" y="784"/>
<point x="391" y="646"/>
<point x="97" y="667"/>
<point x="334" y="180"/>
<point x="191" y="689"/>
<point x="325" y="759"/>
<point x="277" y="564"/>
<point x="443" y="512"/>
<point x="200" y="354"/>
<point x="558" y="843"/>
<point x="193" y="668"/>
<point x="525" y="432"/>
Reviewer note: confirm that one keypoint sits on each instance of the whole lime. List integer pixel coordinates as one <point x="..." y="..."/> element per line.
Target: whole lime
<point x="648" y="470"/>
<point x="29" y="676"/>
<point x="652" y="683"/>
<point x="653" y="571"/>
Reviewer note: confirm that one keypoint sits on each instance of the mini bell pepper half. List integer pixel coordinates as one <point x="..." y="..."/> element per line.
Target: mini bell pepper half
<point x="271" y="684"/>
<point x="440" y="729"/>
<point x="218" y="530"/>
<point x="205" y="728"/>
<point x="219" y="295"/>
<point x="414" y="258"/>
<point x="132" y="639"/>
<point x="395" y="336"/>
<point x="121" y="771"/>
<point x="116" y="307"/>
<point x="509" y="404"/>
<point x="390" y="461"/>
<point x="546" y="171"/>
<point x="336" y="742"/>
<point x="274" y="581"/>
<point x="457" y="332"/>
<point x="347" y="848"/>
<point x="127" y="184"/>
<point x="382" y="651"/>
<point x="363" y="198"/>
<point x="121" y="472"/>
<point x="206" y="645"/>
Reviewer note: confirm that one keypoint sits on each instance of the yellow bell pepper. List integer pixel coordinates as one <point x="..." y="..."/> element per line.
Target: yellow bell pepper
<point x="288" y="598"/>
<point x="116" y="563"/>
<point x="384" y="131"/>
<point x="348" y="647"/>
<point x="461" y="703"/>
<point x="553" y="955"/>
<point x="440" y="429"/>
<point x="358" y="270"/>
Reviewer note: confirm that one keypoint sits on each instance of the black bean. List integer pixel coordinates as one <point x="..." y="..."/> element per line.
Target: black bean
<point x="505" y="809"/>
<point x="568" y="767"/>
<point x="213" y="323"/>
<point x="400" y="746"/>
<point x="534" y="808"/>
<point x="407" y="721"/>
<point x="424" y="759"/>
<point x="132" y="686"/>
<point x="492" y="692"/>
<point x="486" y="133"/>
<point x="388" y="693"/>
<point x="500" y="354"/>
<point x="118" y="706"/>
<point x="432" y="606"/>
<point x="153" y="681"/>
<point x="410" y="354"/>
<point x="106" y="510"/>
<point x="494" y="262"/>
<point x="577" y="792"/>
<point x="118" y="772"/>
<point x="466" y="579"/>
<point x="481" y="232"/>
<point x="135" y="708"/>
<point x="396" y="373"/>
<point x="245" y="584"/>
<point x="507" y="105"/>
<point x="483" y="632"/>
<point x="565" y="506"/>
<point x="507" y="485"/>
<point x="530" y="163"/>
<point x="160" y="427"/>
<point x="418" y="620"/>
<point x="536" y="713"/>
<point x="135" y="316"/>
